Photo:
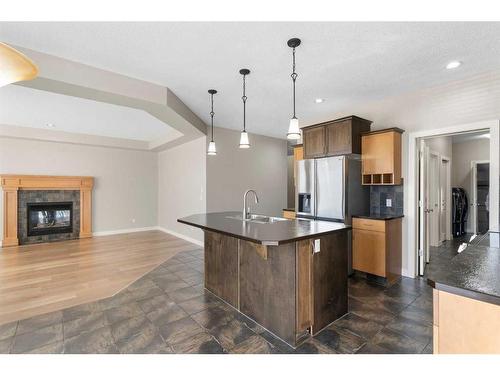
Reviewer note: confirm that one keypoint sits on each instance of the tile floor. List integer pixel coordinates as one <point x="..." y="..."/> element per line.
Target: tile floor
<point x="168" y="311"/>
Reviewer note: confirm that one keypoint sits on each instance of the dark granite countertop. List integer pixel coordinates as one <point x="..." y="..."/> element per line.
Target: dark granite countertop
<point x="289" y="209"/>
<point x="379" y="217"/>
<point x="276" y="233"/>
<point x="474" y="273"/>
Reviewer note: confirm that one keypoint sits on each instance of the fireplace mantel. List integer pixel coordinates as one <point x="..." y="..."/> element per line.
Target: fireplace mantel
<point x="11" y="184"/>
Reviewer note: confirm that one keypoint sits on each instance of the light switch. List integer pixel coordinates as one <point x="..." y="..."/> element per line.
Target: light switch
<point x="388" y="202"/>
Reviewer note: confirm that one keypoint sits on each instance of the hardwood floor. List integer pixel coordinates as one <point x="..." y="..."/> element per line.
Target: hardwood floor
<point x="41" y="278"/>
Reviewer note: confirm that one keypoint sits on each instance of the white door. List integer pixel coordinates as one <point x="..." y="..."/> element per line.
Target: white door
<point x="474" y="201"/>
<point x="434" y="192"/>
<point x="423" y="202"/>
<point x="443" y="199"/>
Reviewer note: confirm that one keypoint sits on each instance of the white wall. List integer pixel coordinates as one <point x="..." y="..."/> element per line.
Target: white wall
<point x="182" y="186"/>
<point x="125" y="181"/>
<point x="440" y="145"/>
<point x="262" y="167"/>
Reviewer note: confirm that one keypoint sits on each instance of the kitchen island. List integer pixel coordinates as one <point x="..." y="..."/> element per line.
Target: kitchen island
<point x="466" y="300"/>
<point x="290" y="276"/>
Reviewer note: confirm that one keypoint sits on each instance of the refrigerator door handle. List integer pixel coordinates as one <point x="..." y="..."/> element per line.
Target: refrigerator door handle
<point x="315" y="188"/>
<point x="344" y="189"/>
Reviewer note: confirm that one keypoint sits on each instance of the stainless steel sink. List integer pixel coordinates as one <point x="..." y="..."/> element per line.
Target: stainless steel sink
<point x="262" y="219"/>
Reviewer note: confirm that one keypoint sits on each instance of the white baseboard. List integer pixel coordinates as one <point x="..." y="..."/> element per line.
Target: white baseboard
<point x="405" y="273"/>
<point x="122" y="231"/>
<point x="183" y="236"/>
<point x="144" y="229"/>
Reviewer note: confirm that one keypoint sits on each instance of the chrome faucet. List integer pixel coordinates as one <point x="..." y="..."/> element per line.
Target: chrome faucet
<point x="246" y="209"/>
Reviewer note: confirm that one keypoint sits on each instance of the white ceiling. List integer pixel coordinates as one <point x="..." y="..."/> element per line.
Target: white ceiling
<point x="344" y="63"/>
<point x="22" y="106"/>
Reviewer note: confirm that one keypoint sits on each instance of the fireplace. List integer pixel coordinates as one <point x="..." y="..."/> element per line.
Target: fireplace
<point x="49" y="218"/>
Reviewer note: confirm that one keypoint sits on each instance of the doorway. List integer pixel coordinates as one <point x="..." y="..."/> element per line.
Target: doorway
<point x="445" y="200"/>
<point x="480" y="196"/>
<point x="453" y="196"/>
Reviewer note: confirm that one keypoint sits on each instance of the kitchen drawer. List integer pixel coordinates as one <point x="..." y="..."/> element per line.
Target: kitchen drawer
<point x="367" y="224"/>
<point x="368" y="252"/>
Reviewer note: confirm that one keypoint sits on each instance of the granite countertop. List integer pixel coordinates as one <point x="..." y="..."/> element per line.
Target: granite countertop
<point x="379" y="217"/>
<point x="474" y="273"/>
<point x="289" y="209"/>
<point x="276" y="233"/>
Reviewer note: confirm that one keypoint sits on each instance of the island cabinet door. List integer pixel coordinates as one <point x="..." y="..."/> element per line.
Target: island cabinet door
<point x="330" y="280"/>
<point x="221" y="266"/>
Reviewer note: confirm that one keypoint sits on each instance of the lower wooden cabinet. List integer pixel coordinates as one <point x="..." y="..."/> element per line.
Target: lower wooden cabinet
<point x="464" y="325"/>
<point x="376" y="247"/>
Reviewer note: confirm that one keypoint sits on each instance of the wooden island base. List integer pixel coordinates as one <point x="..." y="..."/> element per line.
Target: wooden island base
<point x="289" y="289"/>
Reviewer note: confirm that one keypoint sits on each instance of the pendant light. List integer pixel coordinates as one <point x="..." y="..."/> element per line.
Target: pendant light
<point x="244" y="142"/>
<point x="14" y="66"/>
<point x="211" y="146"/>
<point x="293" y="128"/>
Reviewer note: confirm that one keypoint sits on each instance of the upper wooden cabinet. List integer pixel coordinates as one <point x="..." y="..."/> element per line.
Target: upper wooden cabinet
<point x="314" y="141"/>
<point x="337" y="137"/>
<point x="381" y="157"/>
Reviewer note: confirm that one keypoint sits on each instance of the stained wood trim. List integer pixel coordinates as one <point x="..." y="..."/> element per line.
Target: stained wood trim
<point x="10" y="217"/>
<point x="397" y="130"/>
<point x="304" y="284"/>
<point x="352" y="117"/>
<point x="39" y="182"/>
<point x="11" y="183"/>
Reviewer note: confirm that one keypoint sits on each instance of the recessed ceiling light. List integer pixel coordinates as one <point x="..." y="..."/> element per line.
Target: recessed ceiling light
<point x="319" y="100"/>
<point x="453" y="64"/>
<point x="50" y="125"/>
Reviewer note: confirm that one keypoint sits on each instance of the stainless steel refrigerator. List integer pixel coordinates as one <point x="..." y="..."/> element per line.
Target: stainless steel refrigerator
<point x="330" y="189"/>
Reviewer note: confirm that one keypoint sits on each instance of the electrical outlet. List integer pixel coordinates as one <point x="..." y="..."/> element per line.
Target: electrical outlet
<point x="388" y="202"/>
<point x="317" y="246"/>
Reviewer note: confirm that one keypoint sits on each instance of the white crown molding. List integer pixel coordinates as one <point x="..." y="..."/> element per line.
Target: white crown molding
<point x="71" y="78"/>
<point x="24" y="132"/>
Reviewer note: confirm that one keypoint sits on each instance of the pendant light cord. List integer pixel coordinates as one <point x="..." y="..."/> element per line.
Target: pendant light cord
<point x="244" y="98"/>
<point x="294" y="77"/>
<point x="212" y="113"/>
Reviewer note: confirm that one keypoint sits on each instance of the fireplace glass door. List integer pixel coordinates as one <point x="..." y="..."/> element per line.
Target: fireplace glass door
<point x="49" y="218"/>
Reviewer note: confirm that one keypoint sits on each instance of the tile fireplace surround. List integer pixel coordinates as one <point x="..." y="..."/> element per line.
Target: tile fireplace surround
<point x="12" y="184"/>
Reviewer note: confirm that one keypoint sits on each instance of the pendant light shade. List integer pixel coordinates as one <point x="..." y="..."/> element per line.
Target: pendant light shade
<point x="14" y="66"/>
<point x="212" y="150"/>
<point x="244" y="141"/>
<point x="293" y="128"/>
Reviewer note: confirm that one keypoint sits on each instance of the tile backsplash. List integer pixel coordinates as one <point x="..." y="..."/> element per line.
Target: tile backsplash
<point x="379" y="196"/>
